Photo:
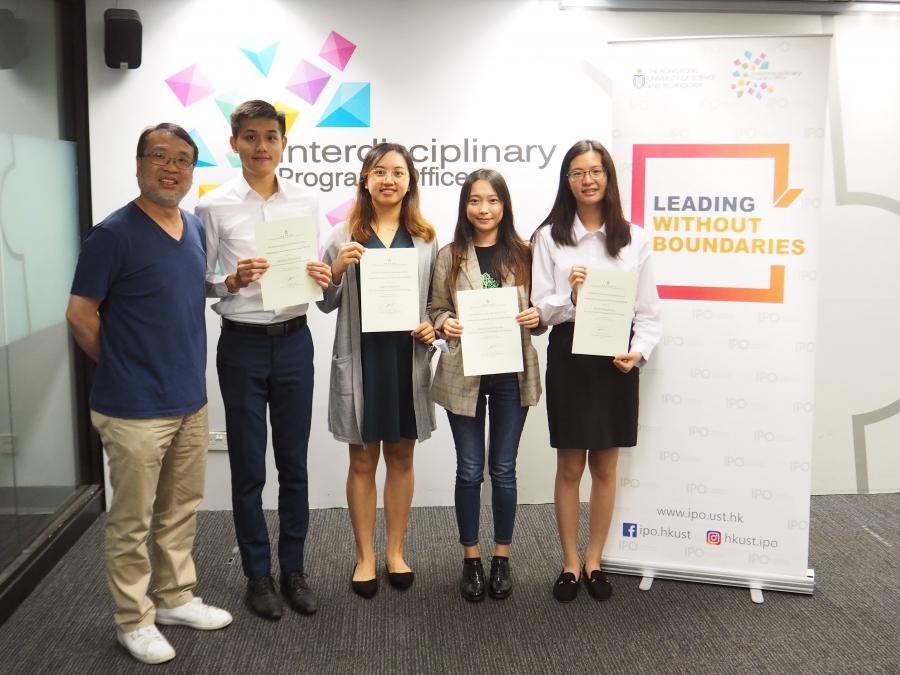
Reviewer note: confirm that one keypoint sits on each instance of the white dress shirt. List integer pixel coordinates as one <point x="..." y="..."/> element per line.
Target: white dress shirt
<point x="229" y="214"/>
<point x="552" y="263"/>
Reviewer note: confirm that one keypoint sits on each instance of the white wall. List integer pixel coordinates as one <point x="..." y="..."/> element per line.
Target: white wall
<point x="520" y="73"/>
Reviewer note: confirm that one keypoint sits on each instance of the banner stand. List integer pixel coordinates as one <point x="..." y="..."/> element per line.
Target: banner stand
<point x="757" y="583"/>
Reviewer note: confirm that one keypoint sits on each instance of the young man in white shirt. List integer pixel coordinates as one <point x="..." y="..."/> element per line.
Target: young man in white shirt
<point x="264" y="358"/>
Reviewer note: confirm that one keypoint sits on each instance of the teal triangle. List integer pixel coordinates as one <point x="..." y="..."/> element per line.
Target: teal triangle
<point x="350" y="106"/>
<point x="262" y="59"/>
<point x="234" y="159"/>
<point x="205" y="157"/>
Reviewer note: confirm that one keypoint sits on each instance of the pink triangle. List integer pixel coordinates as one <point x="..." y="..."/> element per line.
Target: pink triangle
<point x="308" y="81"/>
<point x="337" y="50"/>
<point x="340" y="213"/>
<point x="190" y="85"/>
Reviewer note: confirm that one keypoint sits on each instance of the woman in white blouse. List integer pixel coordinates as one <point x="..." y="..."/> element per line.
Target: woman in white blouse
<point x="592" y="401"/>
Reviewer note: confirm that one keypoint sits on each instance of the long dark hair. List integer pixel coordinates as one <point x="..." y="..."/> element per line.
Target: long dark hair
<point x="562" y="216"/>
<point x="362" y="215"/>
<point x="513" y="254"/>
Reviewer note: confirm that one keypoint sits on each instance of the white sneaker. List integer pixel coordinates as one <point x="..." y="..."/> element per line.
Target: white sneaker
<point x="146" y="644"/>
<point x="194" y="614"/>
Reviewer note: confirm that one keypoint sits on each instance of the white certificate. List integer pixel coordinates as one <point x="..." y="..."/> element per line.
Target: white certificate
<point x="288" y="245"/>
<point x="492" y="338"/>
<point x="389" y="289"/>
<point x="604" y="313"/>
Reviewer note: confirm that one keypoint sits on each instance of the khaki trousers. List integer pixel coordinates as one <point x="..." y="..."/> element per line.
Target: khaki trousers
<point x="157" y="468"/>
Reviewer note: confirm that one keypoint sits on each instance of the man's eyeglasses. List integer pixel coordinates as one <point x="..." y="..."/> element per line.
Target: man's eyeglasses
<point x="159" y="158"/>
<point x="577" y="175"/>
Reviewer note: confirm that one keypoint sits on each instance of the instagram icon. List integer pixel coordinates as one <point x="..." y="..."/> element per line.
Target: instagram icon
<point x="713" y="537"/>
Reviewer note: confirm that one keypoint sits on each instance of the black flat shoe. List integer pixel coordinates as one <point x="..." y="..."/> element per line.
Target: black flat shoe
<point x="566" y="587"/>
<point x="262" y="599"/>
<point x="364" y="589"/>
<point x="400" y="580"/>
<point x="499" y="584"/>
<point x="472" y="583"/>
<point x="597" y="584"/>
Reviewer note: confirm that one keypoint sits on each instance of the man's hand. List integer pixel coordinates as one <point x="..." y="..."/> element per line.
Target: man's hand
<point x="248" y="271"/>
<point x="625" y="362"/>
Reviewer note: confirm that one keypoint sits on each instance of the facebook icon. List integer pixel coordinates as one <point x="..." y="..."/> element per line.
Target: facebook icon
<point x="629" y="529"/>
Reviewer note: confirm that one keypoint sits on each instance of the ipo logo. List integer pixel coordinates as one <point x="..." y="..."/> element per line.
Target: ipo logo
<point x="629" y="529"/>
<point x="713" y="537"/>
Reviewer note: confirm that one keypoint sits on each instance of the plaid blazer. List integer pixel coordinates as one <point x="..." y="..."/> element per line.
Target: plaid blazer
<point x="450" y="388"/>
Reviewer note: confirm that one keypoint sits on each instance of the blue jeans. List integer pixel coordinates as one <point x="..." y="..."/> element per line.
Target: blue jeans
<point x="258" y="372"/>
<point x="500" y="395"/>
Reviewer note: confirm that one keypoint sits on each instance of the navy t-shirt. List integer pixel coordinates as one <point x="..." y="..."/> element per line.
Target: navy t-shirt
<point x="152" y="326"/>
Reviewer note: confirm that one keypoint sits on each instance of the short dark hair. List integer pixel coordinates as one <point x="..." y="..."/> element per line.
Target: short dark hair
<point x="256" y="109"/>
<point x="173" y="129"/>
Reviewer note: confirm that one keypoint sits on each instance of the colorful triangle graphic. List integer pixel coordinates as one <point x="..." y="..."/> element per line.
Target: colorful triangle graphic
<point x="290" y="115"/>
<point x="339" y="213"/>
<point x="190" y="85"/>
<point x="337" y="50"/>
<point x="350" y="106"/>
<point x="308" y="81"/>
<point x="205" y="157"/>
<point x="262" y="59"/>
<point x="228" y="101"/>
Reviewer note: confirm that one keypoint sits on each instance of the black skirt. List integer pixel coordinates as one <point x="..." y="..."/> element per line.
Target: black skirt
<point x="590" y="403"/>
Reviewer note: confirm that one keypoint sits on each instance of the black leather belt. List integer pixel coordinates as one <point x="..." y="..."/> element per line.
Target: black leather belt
<point x="267" y="329"/>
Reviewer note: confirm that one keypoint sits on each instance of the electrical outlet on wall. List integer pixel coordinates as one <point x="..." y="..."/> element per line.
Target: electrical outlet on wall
<point x="218" y="441"/>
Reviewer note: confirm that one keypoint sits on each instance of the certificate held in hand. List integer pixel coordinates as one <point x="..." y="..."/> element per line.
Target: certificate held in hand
<point x="389" y="289"/>
<point x="288" y="245"/>
<point x="492" y="338"/>
<point x="604" y="313"/>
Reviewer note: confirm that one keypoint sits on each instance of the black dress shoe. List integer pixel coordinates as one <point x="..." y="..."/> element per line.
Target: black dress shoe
<point x="566" y="587"/>
<point x="597" y="584"/>
<point x="471" y="585"/>
<point x="499" y="583"/>
<point x="364" y="589"/>
<point x="400" y="580"/>
<point x="262" y="599"/>
<point x="298" y="593"/>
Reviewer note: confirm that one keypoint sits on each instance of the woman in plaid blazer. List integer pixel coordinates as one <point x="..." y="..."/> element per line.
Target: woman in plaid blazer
<point x="486" y="253"/>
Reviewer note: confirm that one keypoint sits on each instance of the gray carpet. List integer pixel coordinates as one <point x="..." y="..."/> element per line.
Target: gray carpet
<point x="850" y="624"/>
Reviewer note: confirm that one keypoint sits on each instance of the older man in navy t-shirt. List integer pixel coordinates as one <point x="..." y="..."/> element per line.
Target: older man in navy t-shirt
<point x="136" y="309"/>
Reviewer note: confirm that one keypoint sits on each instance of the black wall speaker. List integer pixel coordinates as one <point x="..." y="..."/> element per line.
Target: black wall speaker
<point x="12" y="39"/>
<point x="123" y="38"/>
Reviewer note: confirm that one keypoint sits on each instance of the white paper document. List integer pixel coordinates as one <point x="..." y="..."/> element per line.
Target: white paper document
<point x="389" y="289"/>
<point x="604" y="313"/>
<point x="288" y="245"/>
<point x="492" y="338"/>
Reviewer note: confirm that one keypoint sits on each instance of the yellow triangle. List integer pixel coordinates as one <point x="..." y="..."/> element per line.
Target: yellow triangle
<point x="290" y="115"/>
<point x="206" y="187"/>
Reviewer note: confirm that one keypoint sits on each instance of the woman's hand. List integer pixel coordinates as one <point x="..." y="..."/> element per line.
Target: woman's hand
<point x="349" y="254"/>
<point x="424" y="332"/>
<point x="529" y="318"/>
<point x="576" y="278"/>
<point x="625" y="362"/>
<point x="452" y="328"/>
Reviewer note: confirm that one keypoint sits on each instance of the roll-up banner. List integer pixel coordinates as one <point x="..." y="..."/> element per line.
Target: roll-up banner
<point x="718" y="144"/>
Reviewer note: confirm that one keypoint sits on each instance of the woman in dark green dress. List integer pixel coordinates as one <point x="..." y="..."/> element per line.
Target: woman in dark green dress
<point x="380" y="400"/>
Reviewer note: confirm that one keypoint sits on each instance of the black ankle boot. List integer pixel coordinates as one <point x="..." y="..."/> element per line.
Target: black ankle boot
<point x="471" y="585"/>
<point x="500" y="584"/>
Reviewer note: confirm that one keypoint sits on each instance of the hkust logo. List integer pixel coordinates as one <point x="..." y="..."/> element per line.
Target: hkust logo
<point x="638" y="80"/>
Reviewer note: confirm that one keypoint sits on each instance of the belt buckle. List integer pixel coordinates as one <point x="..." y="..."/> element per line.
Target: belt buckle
<point x="275" y="330"/>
